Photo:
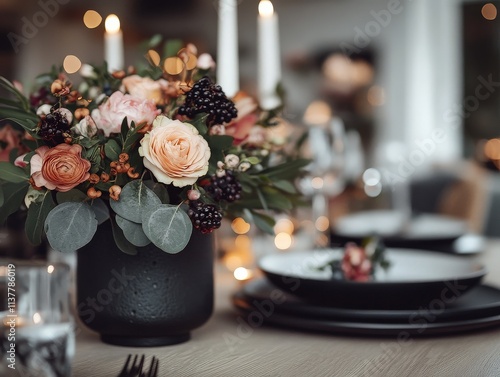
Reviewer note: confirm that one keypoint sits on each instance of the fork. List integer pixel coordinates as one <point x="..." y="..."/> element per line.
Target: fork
<point x="135" y="369"/>
<point x="153" y="368"/>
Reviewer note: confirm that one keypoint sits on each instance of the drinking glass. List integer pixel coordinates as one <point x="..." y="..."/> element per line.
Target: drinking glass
<point x="37" y="337"/>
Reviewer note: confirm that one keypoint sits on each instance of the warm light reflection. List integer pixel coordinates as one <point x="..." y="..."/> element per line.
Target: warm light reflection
<point x="322" y="223"/>
<point x="112" y="23"/>
<point x="317" y="113"/>
<point x="92" y="19"/>
<point x="243" y="242"/>
<point x="283" y="241"/>
<point x="266" y="8"/>
<point x="37" y="318"/>
<point x="240" y="226"/>
<point x="50" y="269"/>
<point x="173" y="65"/>
<point x="232" y="261"/>
<point x="376" y="96"/>
<point x="242" y="273"/>
<point x="71" y="64"/>
<point x="154" y="57"/>
<point x="489" y="11"/>
<point x="492" y="149"/>
<point x="284" y="226"/>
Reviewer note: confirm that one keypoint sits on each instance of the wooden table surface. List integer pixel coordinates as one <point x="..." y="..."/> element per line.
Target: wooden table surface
<point x="221" y="348"/>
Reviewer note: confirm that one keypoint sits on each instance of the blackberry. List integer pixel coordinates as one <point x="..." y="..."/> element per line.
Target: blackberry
<point x="225" y="188"/>
<point x="53" y="127"/>
<point x="206" y="97"/>
<point x="205" y="217"/>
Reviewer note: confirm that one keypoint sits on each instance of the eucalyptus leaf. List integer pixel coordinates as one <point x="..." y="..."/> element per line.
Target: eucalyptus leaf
<point x="135" y="198"/>
<point x="133" y="232"/>
<point x="11" y="173"/>
<point x="101" y="210"/>
<point x="37" y="213"/>
<point x="123" y="244"/>
<point x="168" y="227"/>
<point x="160" y="190"/>
<point x="69" y="226"/>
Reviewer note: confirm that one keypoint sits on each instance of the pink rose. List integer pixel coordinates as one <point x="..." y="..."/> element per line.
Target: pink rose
<point x="175" y="152"/>
<point x="60" y="168"/>
<point x="240" y="127"/>
<point x="10" y="138"/>
<point x="143" y="87"/>
<point x="109" y="116"/>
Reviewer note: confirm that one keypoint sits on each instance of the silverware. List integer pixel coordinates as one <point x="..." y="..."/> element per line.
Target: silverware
<point x="153" y="368"/>
<point x="135" y="369"/>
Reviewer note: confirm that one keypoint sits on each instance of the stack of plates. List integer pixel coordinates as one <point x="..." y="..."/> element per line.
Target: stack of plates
<point x="422" y="293"/>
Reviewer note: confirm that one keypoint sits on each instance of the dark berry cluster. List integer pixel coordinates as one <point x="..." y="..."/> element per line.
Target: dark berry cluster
<point x="205" y="217"/>
<point x="53" y="127"/>
<point x="206" y="97"/>
<point x="225" y="188"/>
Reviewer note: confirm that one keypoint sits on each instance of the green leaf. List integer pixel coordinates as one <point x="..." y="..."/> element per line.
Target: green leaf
<point x="11" y="173"/>
<point x="168" y="227"/>
<point x="133" y="232"/>
<point x="286" y="186"/>
<point x="7" y="85"/>
<point x="73" y="195"/>
<point x="101" y="210"/>
<point x="199" y="122"/>
<point x="37" y="213"/>
<point x="263" y="222"/>
<point x="135" y="198"/>
<point x="121" y="241"/>
<point x="112" y="150"/>
<point x="159" y="189"/>
<point x="132" y="137"/>
<point x="69" y="226"/>
<point x="14" y="194"/>
<point x="286" y="170"/>
<point x="172" y="47"/>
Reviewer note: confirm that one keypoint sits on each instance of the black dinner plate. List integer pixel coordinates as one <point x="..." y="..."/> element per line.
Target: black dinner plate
<point x="476" y="309"/>
<point x="415" y="277"/>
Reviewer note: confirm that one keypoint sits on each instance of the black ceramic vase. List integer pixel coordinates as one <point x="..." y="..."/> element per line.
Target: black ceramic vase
<point x="144" y="300"/>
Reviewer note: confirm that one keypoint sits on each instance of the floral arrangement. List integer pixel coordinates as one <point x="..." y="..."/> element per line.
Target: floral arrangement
<point x="358" y="263"/>
<point x="157" y="150"/>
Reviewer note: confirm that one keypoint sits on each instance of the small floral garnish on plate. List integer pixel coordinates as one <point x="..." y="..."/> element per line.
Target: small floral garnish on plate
<point x="359" y="263"/>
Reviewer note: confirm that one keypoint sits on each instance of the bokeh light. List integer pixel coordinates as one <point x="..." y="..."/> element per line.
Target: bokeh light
<point x="92" y="19"/>
<point x="489" y="11"/>
<point x="71" y="64"/>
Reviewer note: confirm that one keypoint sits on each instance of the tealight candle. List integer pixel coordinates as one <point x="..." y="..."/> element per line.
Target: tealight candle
<point x="113" y="44"/>
<point x="268" y="56"/>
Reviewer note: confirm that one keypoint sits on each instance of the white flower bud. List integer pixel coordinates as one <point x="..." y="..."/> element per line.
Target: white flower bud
<point x="43" y="110"/>
<point x="232" y="161"/>
<point x="244" y="166"/>
<point x="205" y="61"/>
<point x="220" y="164"/>
<point x="88" y="71"/>
<point x="218" y="129"/>
<point x="220" y="173"/>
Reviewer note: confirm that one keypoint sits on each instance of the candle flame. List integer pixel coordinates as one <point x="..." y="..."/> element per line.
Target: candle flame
<point x="112" y="23"/>
<point x="37" y="318"/>
<point x="266" y="8"/>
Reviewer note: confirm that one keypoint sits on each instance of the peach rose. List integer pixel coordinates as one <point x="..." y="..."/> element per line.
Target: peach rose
<point x="175" y="152"/>
<point x="60" y="168"/>
<point x="143" y="87"/>
<point x="109" y="116"/>
<point x="10" y="138"/>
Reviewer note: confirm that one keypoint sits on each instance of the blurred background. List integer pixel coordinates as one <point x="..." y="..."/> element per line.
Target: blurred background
<point x="414" y="83"/>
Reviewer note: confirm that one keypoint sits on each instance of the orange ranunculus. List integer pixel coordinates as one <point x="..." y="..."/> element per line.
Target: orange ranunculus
<point x="10" y="138"/>
<point x="60" y="168"/>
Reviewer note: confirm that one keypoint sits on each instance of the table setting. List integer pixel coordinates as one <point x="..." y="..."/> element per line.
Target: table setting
<point x="182" y="225"/>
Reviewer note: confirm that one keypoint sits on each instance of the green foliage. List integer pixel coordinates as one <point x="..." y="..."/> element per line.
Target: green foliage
<point x="133" y="232"/>
<point x="37" y="213"/>
<point x="11" y="173"/>
<point x="135" y="198"/>
<point x="14" y="194"/>
<point x="70" y="226"/>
